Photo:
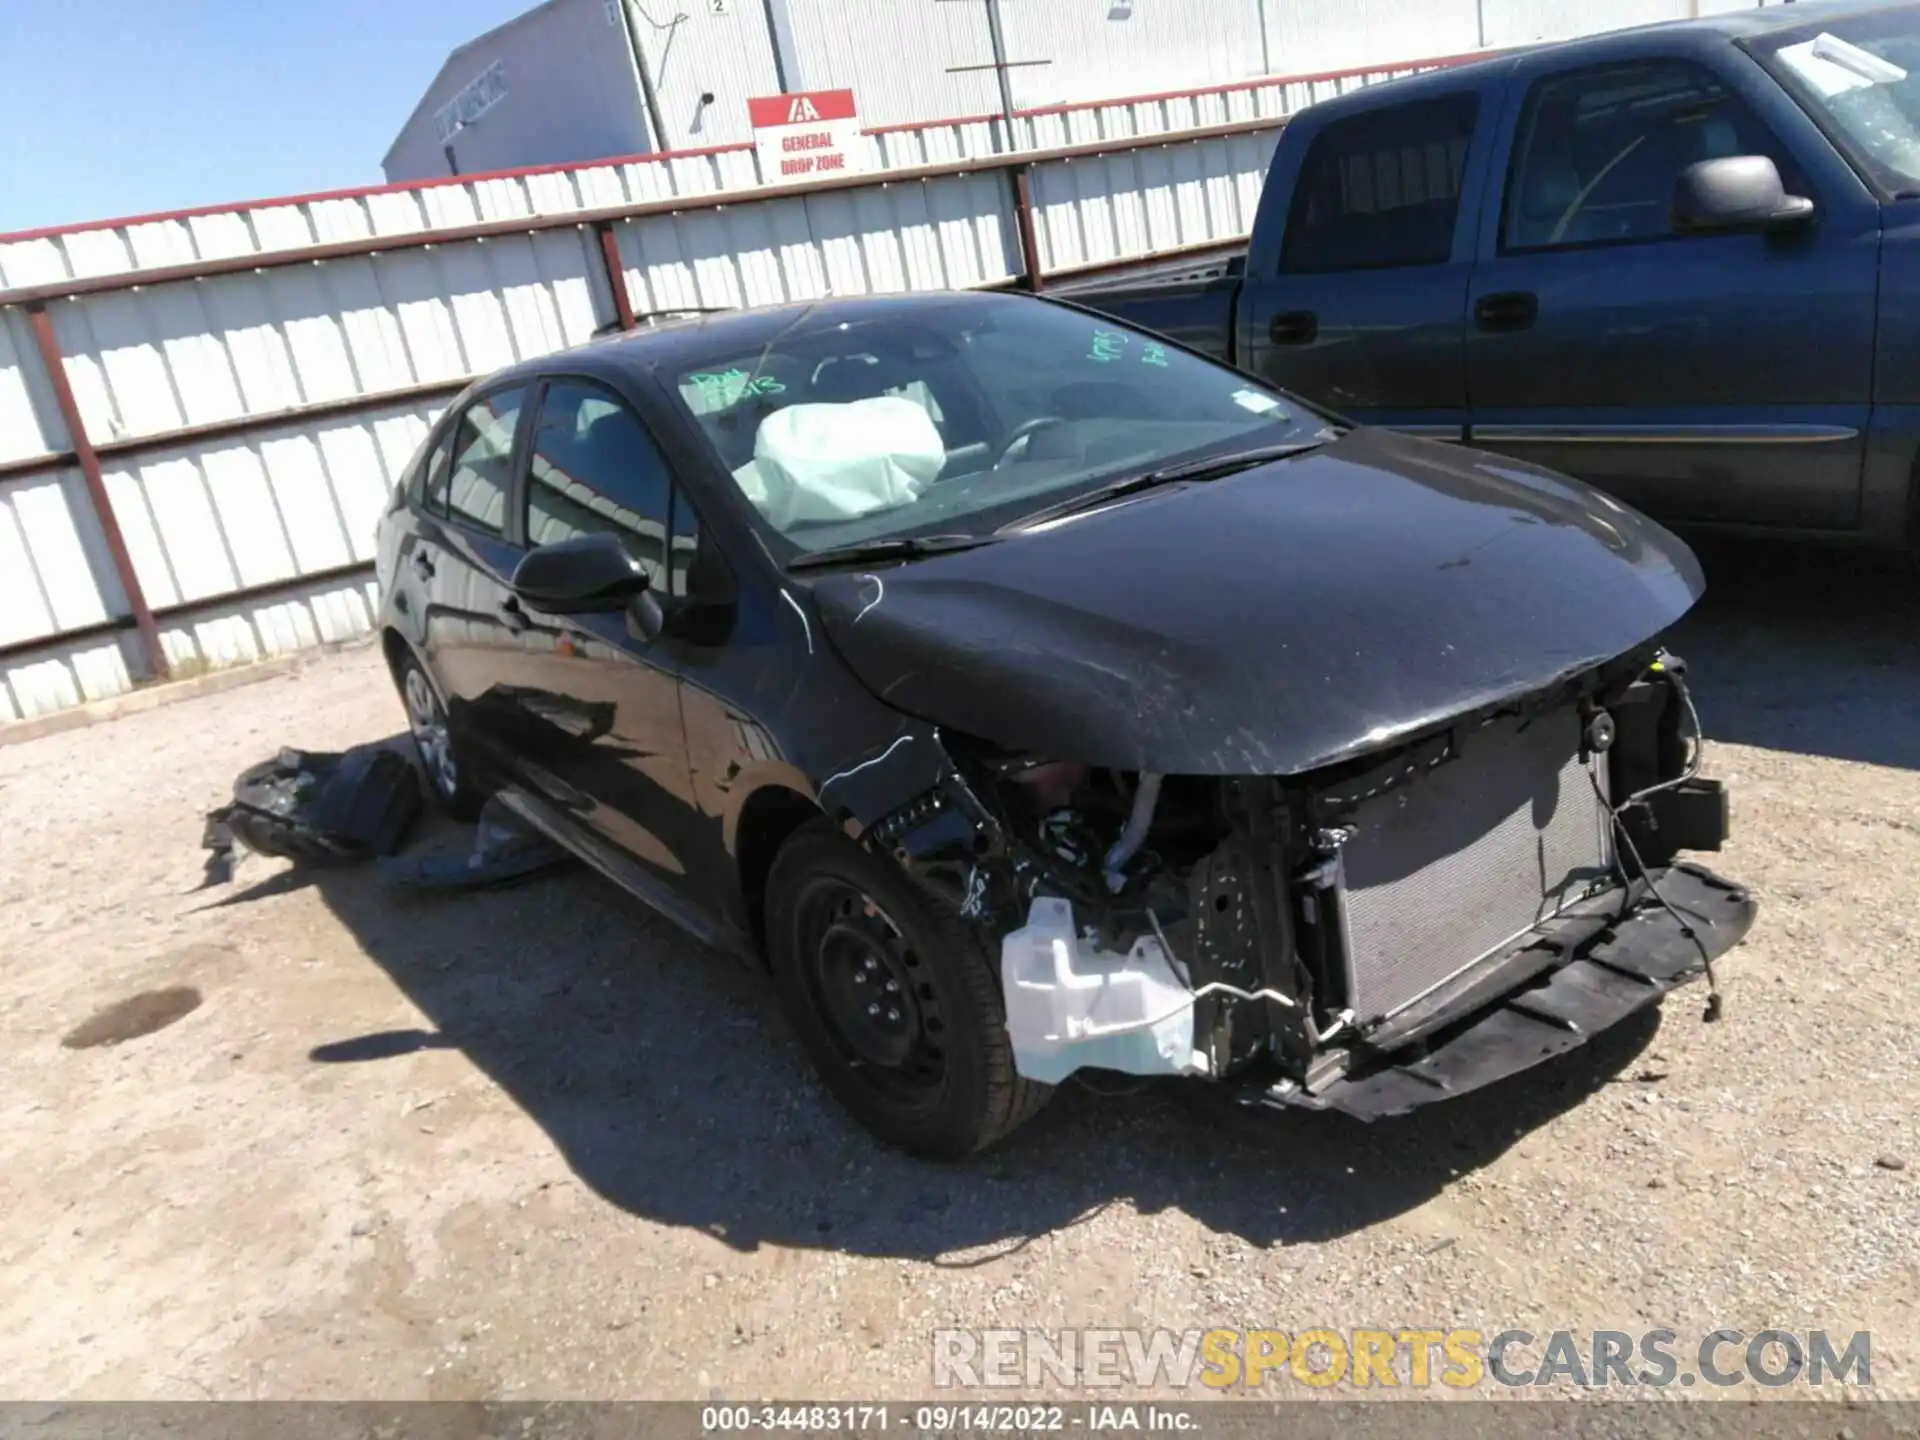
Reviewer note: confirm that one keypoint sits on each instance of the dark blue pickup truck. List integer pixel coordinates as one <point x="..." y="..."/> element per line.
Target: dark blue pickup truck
<point x="1680" y="262"/>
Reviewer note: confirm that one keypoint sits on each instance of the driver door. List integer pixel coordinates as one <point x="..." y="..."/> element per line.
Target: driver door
<point x="1719" y="378"/>
<point x="597" y="700"/>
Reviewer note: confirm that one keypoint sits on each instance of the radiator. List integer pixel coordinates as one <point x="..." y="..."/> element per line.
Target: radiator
<point x="1449" y="869"/>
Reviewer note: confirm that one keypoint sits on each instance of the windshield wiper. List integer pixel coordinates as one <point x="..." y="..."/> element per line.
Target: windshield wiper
<point x="905" y="547"/>
<point x="1204" y="467"/>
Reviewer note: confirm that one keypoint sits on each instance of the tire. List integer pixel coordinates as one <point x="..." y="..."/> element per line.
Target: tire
<point x="843" y="925"/>
<point x="444" y="762"/>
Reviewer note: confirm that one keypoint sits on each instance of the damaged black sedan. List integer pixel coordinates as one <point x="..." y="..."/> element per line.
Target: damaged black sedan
<point x="1034" y="696"/>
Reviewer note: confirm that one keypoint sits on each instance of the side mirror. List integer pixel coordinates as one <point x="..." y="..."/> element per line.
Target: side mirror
<point x="575" y="577"/>
<point x="1738" y="192"/>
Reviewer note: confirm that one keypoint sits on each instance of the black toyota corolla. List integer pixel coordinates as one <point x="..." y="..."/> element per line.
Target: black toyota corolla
<point x="1033" y="696"/>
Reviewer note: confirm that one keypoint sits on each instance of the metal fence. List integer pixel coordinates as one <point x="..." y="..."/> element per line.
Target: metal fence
<point x="201" y="415"/>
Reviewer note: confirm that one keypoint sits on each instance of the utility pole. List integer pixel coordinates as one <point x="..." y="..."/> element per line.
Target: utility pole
<point x="786" y="61"/>
<point x="651" y="121"/>
<point x="997" y="38"/>
<point x="1000" y="65"/>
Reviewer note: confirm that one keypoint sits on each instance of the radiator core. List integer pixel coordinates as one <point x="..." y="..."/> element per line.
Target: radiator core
<point x="1450" y="868"/>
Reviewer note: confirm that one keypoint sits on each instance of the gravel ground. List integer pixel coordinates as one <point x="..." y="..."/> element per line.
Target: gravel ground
<point x="535" y="1144"/>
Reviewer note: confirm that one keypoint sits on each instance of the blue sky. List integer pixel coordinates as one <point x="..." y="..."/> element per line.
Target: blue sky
<point x="118" y="107"/>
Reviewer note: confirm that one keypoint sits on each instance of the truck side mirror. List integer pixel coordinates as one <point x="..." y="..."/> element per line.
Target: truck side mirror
<point x="1737" y="192"/>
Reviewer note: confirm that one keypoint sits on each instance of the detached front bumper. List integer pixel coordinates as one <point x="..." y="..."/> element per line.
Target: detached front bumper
<point x="1627" y="952"/>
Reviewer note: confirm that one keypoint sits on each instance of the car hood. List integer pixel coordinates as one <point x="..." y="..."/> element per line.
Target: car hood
<point x="1271" y="622"/>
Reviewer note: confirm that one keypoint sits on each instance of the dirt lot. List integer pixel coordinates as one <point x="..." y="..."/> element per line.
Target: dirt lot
<point x="534" y="1143"/>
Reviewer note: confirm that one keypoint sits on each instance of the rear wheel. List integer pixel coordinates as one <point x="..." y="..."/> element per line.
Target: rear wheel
<point x="449" y="775"/>
<point x="896" y="1004"/>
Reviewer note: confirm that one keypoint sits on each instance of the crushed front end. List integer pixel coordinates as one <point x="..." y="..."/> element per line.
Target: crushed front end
<point x="1417" y="921"/>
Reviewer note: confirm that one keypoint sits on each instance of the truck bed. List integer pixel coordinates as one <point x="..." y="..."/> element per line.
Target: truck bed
<point x="1190" y="299"/>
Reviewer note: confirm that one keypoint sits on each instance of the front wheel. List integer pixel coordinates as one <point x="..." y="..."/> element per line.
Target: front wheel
<point x="449" y="774"/>
<point x="895" y="1003"/>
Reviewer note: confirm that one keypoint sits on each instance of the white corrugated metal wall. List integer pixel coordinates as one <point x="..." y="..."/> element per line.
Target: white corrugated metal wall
<point x="695" y="50"/>
<point x="1095" y="48"/>
<point x="293" y="500"/>
<point x="897" y="58"/>
<point x="898" y="55"/>
<point x="1333" y="34"/>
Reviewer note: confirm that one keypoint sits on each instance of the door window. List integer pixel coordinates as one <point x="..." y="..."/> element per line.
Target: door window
<point x="475" y="483"/>
<point x="433" y="483"/>
<point x="1381" y="189"/>
<point x="1598" y="151"/>
<point x="685" y="549"/>
<point x="595" y="469"/>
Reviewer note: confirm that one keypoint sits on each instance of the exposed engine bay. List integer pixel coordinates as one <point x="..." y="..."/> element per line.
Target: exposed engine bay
<point x="1408" y="924"/>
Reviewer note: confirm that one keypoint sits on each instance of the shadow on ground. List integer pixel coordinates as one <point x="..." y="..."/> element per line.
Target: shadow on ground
<point x="664" y="1074"/>
<point x="1805" y="650"/>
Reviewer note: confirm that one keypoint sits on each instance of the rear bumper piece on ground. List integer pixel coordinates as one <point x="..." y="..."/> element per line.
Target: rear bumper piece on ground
<point x="1619" y="967"/>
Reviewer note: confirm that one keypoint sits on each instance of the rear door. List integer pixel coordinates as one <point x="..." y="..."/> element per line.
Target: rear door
<point x="1700" y="378"/>
<point x="1365" y="310"/>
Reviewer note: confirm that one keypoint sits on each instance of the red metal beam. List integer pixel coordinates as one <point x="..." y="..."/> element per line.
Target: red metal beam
<point x="580" y="219"/>
<point x="361" y="192"/>
<point x="89" y="462"/>
<point x="616" y="274"/>
<point x="239" y="425"/>
<point x="36" y="465"/>
<point x="1034" y="270"/>
<point x="135" y="445"/>
<point x="1202" y="249"/>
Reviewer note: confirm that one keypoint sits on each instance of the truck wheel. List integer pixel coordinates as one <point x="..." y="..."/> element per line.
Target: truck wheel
<point x="897" y="1005"/>
<point x="443" y="760"/>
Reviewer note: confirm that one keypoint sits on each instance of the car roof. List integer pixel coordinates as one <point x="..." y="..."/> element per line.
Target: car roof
<point x="703" y="338"/>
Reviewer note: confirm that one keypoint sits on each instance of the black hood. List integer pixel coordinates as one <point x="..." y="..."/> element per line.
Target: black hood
<point x="1271" y="622"/>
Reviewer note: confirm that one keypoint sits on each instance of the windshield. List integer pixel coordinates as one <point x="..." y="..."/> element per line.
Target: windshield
<point x="1860" y="74"/>
<point x="959" y="415"/>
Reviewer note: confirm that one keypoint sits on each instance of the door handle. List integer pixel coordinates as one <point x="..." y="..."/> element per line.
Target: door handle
<point x="1510" y="310"/>
<point x="423" y="564"/>
<point x="515" y="617"/>
<point x="1294" y="327"/>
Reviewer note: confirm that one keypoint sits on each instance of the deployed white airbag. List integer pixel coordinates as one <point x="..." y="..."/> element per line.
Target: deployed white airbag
<point x="835" y="462"/>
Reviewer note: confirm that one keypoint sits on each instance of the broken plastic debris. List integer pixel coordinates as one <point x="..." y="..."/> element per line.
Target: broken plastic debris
<point x="504" y="849"/>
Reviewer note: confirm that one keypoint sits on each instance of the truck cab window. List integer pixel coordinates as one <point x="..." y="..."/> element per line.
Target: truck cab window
<point x="1598" y="151"/>
<point x="1381" y="189"/>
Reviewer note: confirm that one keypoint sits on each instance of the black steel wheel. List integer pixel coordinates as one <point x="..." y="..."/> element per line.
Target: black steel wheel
<point x="863" y="978"/>
<point x="896" y="1003"/>
<point x="450" y="776"/>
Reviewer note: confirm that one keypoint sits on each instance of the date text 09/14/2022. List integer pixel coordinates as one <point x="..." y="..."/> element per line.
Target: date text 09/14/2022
<point x="947" y="1419"/>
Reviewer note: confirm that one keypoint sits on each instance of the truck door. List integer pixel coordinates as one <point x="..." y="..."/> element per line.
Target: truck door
<point x="1365" y="309"/>
<point x="1721" y="377"/>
